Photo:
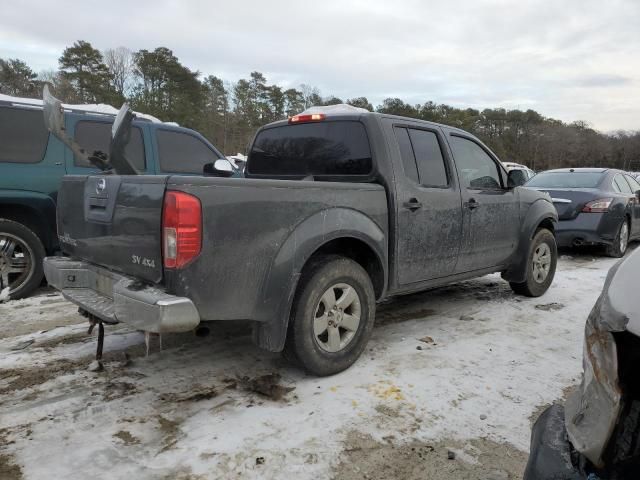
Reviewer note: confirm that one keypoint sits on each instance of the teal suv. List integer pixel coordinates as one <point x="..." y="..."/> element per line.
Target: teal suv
<point x="33" y="162"/>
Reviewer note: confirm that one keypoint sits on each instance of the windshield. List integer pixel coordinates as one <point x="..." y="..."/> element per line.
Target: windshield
<point x="318" y="149"/>
<point x="566" y="180"/>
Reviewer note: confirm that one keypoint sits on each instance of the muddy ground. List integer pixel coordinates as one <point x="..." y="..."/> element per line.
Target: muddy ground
<point x="448" y="388"/>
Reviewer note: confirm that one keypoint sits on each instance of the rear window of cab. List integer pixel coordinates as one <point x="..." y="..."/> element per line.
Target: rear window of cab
<point x="318" y="149"/>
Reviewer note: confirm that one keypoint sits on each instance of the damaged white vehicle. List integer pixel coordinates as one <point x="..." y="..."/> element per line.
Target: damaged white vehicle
<point x="597" y="433"/>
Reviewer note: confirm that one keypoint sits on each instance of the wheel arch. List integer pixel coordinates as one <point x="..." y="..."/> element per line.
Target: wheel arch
<point x="541" y="214"/>
<point x="36" y="212"/>
<point x="335" y="231"/>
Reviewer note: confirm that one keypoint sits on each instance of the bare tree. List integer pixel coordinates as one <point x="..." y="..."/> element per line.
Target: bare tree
<point x="120" y="63"/>
<point x="310" y="95"/>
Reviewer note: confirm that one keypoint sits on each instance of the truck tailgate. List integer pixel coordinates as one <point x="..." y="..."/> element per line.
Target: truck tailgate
<point x="114" y="221"/>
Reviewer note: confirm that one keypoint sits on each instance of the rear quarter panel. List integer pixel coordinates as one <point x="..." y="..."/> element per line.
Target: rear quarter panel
<point x="257" y="235"/>
<point x="535" y="208"/>
<point x="31" y="189"/>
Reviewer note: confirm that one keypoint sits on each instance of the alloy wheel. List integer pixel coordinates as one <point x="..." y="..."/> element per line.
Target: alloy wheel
<point x="337" y="317"/>
<point x="624" y="237"/>
<point x="541" y="262"/>
<point x="16" y="262"/>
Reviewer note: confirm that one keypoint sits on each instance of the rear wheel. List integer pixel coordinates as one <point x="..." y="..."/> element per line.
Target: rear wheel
<point x="541" y="265"/>
<point x="21" y="256"/>
<point x="619" y="246"/>
<point x="332" y="316"/>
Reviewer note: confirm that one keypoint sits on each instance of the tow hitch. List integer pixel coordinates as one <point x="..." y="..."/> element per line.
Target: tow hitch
<point x="96" y="365"/>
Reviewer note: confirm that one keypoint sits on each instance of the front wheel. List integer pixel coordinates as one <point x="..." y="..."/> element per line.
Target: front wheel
<point x="541" y="265"/>
<point x="332" y="316"/>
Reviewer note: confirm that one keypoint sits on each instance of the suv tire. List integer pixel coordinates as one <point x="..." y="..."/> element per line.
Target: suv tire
<point x="19" y="242"/>
<point x="541" y="265"/>
<point x="332" y="316"/>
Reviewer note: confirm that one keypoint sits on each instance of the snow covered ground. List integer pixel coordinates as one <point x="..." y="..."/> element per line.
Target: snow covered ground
<point x="462" y="368"/>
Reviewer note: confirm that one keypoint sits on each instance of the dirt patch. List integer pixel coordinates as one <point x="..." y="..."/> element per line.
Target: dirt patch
<point x="126" y="437"/>
<point x="170" y="430"/>
<point x="78" y="337"/>
<point x="266" y="385"/>
<point x="550" y="307"/>
<point x="23" y="378"/>
<point x="114" y="390"/>
<point x="200" y="393"/>
<point x="387" y="410"/>
<point x="392" y="314"/>
<point x="9" y="469"/>
<point x="478" y="459"/>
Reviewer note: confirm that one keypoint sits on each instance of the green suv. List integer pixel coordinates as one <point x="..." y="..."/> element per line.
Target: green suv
<point x="33" y="162"/>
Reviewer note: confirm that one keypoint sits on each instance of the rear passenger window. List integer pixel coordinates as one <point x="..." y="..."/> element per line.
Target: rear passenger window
<point x="635" y="186"/>
<point x="475" y="166"/>
<point x="96" y="136"/>
<point x="621" y="184"/>
<point x="406" y="152"/>
<point x="23" y="136"/>
<point x="183" y="153"/>
<point x="431" y="167"/>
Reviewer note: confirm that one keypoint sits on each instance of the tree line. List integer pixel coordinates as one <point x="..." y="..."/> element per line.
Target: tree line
<point x="228" y="114"/>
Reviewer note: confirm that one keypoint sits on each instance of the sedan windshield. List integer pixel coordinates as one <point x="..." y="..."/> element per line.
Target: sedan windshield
<point x="566" y="180"/>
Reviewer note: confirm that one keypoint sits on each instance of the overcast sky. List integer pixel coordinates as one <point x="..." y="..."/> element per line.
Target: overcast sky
<point x="572" y="60"/>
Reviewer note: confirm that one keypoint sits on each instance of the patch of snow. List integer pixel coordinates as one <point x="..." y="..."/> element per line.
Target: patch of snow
<point x="494" y="355"/>
<point x="4" y="294"/>
<point x="100" y="108"/>
<point x="340" y="108"/>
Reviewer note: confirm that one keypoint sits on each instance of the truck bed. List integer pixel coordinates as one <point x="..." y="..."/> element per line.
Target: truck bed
<point x="254" y="233"/>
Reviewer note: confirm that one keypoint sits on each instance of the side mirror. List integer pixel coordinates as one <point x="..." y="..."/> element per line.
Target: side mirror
<point x="220" y="168"/>
<point x="516" y="178"/>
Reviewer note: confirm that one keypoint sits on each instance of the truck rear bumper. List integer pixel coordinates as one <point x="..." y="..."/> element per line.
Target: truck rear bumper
<point x="114" y="298"/>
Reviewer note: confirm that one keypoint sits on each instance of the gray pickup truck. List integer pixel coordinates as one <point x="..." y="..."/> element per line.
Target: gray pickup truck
<point x="337" y="212"/>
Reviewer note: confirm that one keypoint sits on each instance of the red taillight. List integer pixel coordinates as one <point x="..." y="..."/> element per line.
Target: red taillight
<point x="312" y="117"/>
<point x="598" y="206"/>
<point x="181" y="229"/>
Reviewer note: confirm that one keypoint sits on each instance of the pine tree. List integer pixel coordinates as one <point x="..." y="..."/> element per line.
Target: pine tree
<point x="17" y="79"/>
<point x="83" y="66"/>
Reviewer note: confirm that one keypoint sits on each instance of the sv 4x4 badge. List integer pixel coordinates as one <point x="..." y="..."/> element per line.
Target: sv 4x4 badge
<point x="145" y="262"/>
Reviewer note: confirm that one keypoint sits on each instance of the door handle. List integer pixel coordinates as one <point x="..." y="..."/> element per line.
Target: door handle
<point x="412" y="204"/>
<point x="471" y="204"/>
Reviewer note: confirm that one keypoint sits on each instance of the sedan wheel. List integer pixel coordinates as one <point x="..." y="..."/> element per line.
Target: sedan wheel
<point x="624" y="237"/>
<point x="619" y="246"/>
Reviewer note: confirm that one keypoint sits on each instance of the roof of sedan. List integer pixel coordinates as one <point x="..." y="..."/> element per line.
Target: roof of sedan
<point x="578" y="170"/>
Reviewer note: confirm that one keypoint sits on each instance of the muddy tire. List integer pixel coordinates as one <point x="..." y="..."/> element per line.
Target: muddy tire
<point x="541" y="265"/>
<point x="332" y="316"/>
<point x="619" y="246"/>
<point x="21" y="256"/>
